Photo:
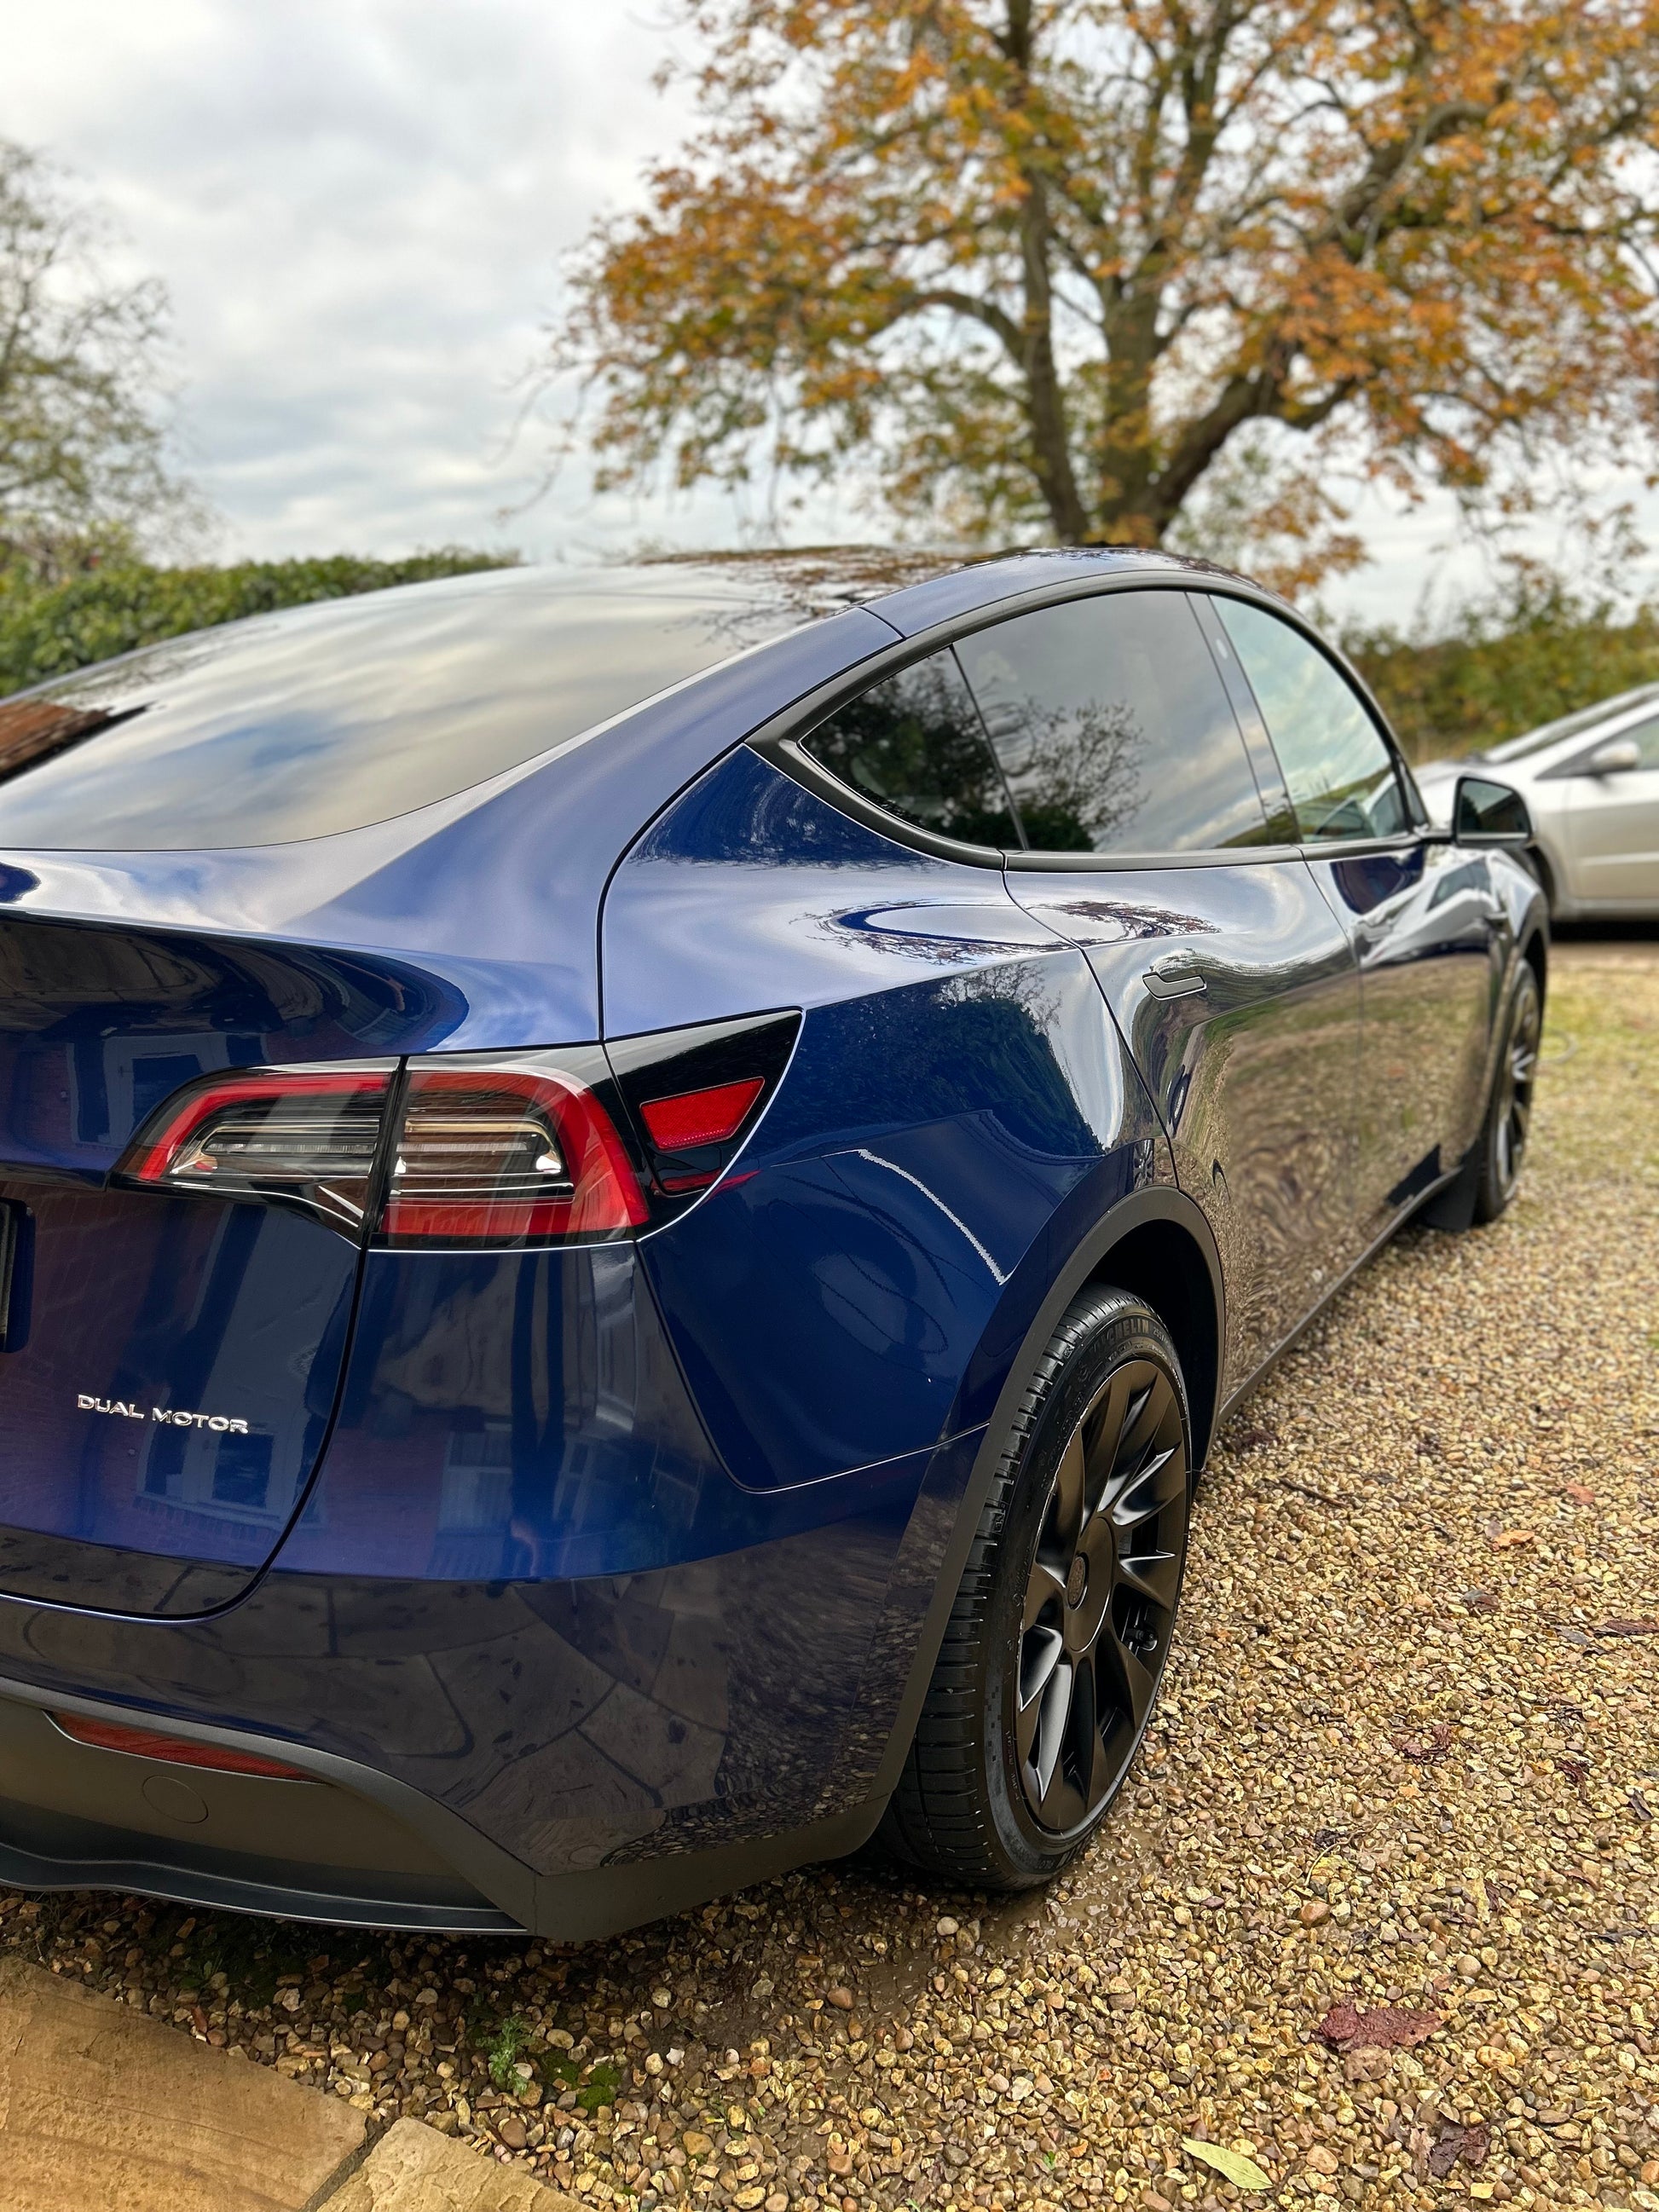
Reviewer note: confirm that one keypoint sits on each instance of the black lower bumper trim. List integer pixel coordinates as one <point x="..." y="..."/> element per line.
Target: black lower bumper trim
<point x="21" y="1869"/>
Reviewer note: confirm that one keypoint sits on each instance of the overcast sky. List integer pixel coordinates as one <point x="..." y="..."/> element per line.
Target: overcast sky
<point x="359" y="208"/>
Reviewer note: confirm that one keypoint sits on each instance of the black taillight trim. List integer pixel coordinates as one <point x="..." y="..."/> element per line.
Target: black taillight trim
<point x="662" y="1064"/>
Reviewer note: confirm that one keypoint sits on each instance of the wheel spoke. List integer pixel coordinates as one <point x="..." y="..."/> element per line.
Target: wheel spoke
<point x="1135" y="1418"/>
<point x="1070" y="1505"/>
<point x="1053" y="1711"/>
<point x="1146" y="1492"/>
<point x="1103" y="1768"/>
<point x="1038" y="1661"/>
<point x="1044" y="1593"/>
<point x="1132" y="1679"/>
<point x="1154" y="1575"/>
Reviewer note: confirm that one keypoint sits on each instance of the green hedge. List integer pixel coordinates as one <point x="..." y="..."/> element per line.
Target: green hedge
<point x="1453" y="696"/>
<point x="87" y="610"/>
<point x="1533" y="647"/>
<point x="1532" y="650"/>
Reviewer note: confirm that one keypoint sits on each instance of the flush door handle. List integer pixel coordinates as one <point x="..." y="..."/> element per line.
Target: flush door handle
<point x="1174" y="976"/>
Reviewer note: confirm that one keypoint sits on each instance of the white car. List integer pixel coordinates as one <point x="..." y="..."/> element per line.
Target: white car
<point x="1591" y="782"/>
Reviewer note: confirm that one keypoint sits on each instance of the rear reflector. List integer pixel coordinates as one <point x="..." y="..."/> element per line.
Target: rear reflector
<point x="700" y="1117"/>
<point x="287" y="1132"/>
<point x="172" y="1750"/>
<point x="505" y="1153"/>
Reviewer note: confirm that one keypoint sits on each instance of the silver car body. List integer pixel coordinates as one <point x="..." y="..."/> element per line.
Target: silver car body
<point x="1597" y="827"/>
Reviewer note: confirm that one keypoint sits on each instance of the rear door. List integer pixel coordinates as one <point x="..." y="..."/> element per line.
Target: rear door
<point x="169" y="1362"/>
<point x="1156" y="848"/>
<point x="1421" y="914"/>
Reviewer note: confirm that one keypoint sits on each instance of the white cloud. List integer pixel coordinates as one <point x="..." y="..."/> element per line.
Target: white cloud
<point x="360" y="208"/>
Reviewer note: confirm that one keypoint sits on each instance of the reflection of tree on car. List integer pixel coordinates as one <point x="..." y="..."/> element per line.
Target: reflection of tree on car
<point x="1076" y="772"/>
<point x="915" y="743"/>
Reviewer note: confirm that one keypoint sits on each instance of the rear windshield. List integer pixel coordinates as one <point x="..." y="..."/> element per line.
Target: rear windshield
<point x="328" y="717"/>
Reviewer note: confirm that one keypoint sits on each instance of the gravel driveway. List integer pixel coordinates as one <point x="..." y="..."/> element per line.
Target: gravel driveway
<point x="1401" y="1788"/>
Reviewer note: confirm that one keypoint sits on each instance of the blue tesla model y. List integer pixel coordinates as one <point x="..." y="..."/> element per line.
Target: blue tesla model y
<point x="628" y="1200"/>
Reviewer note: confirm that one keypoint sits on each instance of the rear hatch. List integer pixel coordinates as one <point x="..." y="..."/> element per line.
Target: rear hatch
<point x="169" y="1362"/>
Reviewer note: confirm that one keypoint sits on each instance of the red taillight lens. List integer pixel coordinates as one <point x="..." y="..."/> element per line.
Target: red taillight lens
<point x="506" y="1153"/>
<point x="175" y="1750"/>
<point x="305" y="1134"/>
<point x="700" y="1117"/>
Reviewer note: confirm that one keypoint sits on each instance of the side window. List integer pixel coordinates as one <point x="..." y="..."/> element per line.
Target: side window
<point x="916" y="745"/>
<point x="1339" y="773"/>
<point x="1113" y="727"/>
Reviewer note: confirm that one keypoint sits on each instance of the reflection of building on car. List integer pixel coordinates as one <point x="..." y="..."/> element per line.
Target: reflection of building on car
<point x="616" y="1252"/>
<point x="1591" y="784"/>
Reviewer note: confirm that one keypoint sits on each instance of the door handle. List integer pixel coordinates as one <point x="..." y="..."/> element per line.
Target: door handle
<point x="1172" y="978"/>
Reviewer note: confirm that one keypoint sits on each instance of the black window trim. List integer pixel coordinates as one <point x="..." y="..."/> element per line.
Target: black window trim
<point x="780" y="741"/>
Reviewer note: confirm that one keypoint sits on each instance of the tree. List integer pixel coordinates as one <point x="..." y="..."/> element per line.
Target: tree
<point x="1068" y="267"/>
<point x="81" y="444"/>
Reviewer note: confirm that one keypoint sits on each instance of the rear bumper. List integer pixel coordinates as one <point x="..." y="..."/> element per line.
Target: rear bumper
<point x="572" y="1756"/>
<point x="326" y="1849"/>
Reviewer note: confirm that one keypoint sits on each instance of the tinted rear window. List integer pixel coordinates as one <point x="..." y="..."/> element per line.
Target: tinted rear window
<point x="1113" y="728"/>
<point x="324" y="719"/>
<point x="916" y="747"/>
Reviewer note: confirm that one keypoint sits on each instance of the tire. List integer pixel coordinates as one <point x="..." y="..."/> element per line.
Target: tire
<point x="1032" y="1721"/>
<point x="1540" y="867"/>
<point x="1503" y="1147"/>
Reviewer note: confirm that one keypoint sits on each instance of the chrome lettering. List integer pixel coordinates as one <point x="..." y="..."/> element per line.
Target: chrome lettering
<point x="220" y="1423"/>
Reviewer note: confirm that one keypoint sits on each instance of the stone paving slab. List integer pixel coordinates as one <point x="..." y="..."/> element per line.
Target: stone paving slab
<point x="414" y="2169"/>
<point x="101" y="2107"/>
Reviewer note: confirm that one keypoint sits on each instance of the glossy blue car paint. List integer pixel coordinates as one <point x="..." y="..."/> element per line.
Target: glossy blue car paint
<point x="615" y="1571"/>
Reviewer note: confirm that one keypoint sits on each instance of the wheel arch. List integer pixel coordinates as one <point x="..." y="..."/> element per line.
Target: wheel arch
<point x="1163" y="1261"/>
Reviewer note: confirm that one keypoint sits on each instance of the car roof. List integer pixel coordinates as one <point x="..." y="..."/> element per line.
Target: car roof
<point x="310" y="721"/>
<point x="1623" y="707"/>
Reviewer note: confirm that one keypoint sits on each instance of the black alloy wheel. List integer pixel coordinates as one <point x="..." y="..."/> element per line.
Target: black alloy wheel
<point x="1063" y="1619"/>
<point x="1509" y="1113"/>
<point x="1100" y="1602"/>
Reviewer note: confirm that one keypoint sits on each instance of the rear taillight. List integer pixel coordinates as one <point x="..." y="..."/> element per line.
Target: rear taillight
<point x="506" y="1151"/>
<point x="584" y="1145"/>
<point x="305" y="1134"/>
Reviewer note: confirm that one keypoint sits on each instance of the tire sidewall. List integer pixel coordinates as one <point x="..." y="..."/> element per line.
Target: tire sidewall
<point x="1118" y="1329"/>
<point x="1492" y="1196"/>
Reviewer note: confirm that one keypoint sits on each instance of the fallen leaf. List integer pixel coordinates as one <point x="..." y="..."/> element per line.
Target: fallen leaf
<point x="1387" y="2027"/>
<point x="1579" y="1495"/>
<point x="1639" y="1805"/>
<point x="1576" y="1637"/>
<point x="1430" y="1754"/>
<point x="1510" y="1540"/>
<point x="1624" y="1628"/>
<point x="1469" y="2143"/>
<point x="1576" y="1770"/>
<point x="1232" y="2165"/>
